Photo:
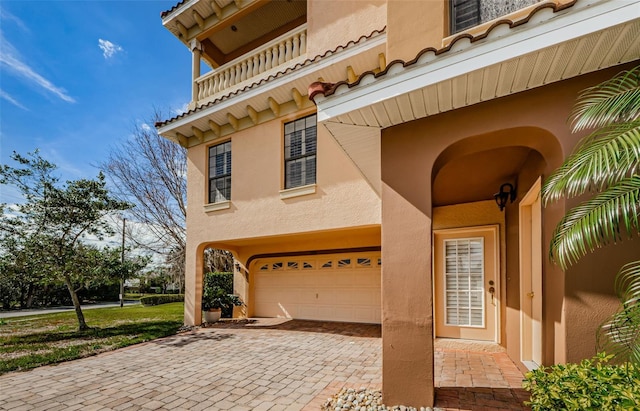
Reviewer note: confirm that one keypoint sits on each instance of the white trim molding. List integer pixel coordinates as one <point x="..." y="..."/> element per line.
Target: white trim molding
<point x="297" y="191"/>
<point x="221" y="205"/>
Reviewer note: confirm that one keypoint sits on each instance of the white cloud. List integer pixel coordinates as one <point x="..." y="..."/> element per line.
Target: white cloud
<point x="180" y="110"/>
<point x="5" y="15"/>
<point x="108" y="48"/>
<point x="11" y="59"/>
<point x="145" y="127"/>
<point x="6" y="96"/>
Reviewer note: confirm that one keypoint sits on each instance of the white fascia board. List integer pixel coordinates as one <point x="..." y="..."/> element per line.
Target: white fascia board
<point x="309" y="69"/>
<point x="178" y="11"/>
<point x="587" y="19"/>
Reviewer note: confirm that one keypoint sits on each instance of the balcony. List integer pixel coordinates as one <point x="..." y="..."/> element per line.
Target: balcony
<point x="277" y="55"/>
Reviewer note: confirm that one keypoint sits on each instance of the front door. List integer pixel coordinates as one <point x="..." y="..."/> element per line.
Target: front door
<point x="466" y="263"/>
<point x="531" y="259"/>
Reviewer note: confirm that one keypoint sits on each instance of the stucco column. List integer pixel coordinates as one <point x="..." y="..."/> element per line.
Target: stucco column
<point x="195" y="67"/>
<point x="407" y="323"/>
<point x="193" y="285"/>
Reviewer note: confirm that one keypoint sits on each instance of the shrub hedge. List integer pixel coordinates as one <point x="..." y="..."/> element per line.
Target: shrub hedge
<point x="223" y="281"/>
<point x="161" y="299"/>
<point x="591" y="385"/>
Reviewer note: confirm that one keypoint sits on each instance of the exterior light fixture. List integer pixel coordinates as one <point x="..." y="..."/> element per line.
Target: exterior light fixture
<point x="507" y="192"/>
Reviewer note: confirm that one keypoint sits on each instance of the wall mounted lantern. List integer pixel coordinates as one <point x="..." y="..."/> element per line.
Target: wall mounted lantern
<point x="507" y="192"/>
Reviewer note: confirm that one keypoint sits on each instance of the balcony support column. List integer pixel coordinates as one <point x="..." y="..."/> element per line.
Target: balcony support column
<point x="196" y="52"/>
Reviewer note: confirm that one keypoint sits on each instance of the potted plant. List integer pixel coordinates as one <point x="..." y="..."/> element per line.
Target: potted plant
<point x="215" y="298"/>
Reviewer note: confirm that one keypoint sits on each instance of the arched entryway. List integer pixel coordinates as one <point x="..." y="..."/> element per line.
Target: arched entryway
<point x="486" y="260"/>
<point x="206" y="257"/>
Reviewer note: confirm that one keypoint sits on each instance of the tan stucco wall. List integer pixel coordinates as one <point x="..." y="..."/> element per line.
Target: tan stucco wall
<point x="413" y="25"/>
<point x="333" y="23"/>
<point x="590" y="294"/>
<point x="413" y="151"/>
<point x="343" y="199"/>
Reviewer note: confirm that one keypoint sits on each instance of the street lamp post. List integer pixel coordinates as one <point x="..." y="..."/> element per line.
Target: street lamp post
<point x="124" y="222"/>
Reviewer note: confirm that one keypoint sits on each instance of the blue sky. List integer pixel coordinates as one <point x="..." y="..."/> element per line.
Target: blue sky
<point x="76" y="76"/>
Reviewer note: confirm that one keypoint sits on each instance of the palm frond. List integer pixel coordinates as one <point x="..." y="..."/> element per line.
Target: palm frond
<point x="615" y="100"/>
<point x="627" y="283"/>
<point x="597" y="222"/>
<point x="620" y="334"/>
<point x="601" y="159"/>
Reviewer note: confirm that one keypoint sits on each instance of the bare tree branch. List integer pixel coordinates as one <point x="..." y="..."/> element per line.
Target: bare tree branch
<point x="150" y="172"/>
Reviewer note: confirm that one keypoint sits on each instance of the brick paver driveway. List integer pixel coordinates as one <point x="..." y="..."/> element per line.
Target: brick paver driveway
<point x="292" y="366"/>
<point x="212" y="369"/>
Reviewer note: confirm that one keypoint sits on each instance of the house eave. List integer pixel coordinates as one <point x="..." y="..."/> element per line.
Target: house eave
<point x="464" y="66"/>
<point x="257" y="96"/>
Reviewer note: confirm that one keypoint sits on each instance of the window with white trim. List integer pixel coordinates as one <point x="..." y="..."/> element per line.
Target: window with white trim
<point x="300" y="143"/>
<point x="220" y="172"/>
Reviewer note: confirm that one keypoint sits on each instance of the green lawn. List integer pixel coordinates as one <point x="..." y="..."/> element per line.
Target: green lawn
<point x="29" y="342"/>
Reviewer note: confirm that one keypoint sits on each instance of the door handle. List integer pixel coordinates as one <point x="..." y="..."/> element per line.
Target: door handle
<point x="492" y="291"/>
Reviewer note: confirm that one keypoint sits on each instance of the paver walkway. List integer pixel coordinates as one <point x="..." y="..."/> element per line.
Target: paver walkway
<point x="477" y="381"/>
<point x="292" y="366"/>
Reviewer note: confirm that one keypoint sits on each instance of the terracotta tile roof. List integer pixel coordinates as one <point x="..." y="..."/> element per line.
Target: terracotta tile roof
<point x="272" y="77"/>
<point x="328" y="89"/>
<point x="165" y="13"/>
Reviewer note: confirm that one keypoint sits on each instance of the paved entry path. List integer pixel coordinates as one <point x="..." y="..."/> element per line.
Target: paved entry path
<point x="478" y="381"/>
<point x="292" y="366"/>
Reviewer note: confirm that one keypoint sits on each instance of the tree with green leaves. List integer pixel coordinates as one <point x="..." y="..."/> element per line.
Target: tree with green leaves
<point x="21" y="279"/>
<point x="605" y="163"/>
<point x="55" y="218"/>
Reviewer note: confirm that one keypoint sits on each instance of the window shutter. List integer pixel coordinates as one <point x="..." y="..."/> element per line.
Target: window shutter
<point x="300" y="146"/>
<point x="464" y="14"/>
<point x="464" y="282"/>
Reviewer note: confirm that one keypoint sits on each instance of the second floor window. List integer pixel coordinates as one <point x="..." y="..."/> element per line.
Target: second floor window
<point x="470" y="13"/>
<point x="300" y="143"/>
<point x="464" y="14"/>
<point x="220" y="172"/>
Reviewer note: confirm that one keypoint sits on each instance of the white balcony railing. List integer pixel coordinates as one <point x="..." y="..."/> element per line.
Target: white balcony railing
<point x="284" y="51"/>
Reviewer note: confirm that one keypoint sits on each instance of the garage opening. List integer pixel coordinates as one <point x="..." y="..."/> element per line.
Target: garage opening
<point x="333" y="287"/>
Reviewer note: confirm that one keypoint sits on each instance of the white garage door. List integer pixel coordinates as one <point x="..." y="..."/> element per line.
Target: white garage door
<point x="330" y="288"/>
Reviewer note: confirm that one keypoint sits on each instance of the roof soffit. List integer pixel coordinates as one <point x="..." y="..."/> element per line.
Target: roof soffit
<point x="508" y="58"/>
<point x="226" y="28"/>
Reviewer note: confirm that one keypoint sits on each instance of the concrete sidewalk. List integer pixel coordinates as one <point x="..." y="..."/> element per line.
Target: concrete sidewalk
<point x="36" y="311"/>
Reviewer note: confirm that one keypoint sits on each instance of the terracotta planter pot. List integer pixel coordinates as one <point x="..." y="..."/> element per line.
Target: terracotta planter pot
<point x="212" y="315"/>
